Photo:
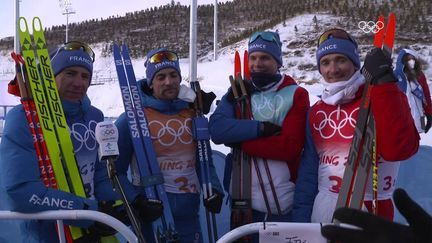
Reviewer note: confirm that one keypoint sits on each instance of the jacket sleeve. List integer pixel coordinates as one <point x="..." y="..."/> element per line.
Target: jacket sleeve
<point x="21" y="180"/>
<point x="225" y="128"/>
<point x="288" y="145"/>
<point x="126" y="152"/>
<point x="397" y="137"/>
<point x="307" y="181"/>
<point x="427" y="105"/>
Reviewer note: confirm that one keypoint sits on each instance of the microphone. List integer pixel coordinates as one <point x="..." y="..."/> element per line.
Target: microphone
<point x="107" y="137"/>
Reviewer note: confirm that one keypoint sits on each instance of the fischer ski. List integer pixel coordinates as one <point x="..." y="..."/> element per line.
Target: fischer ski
<point x="50" y="115"/>
<point x="363" y="148"/>
<point x="151" y="176"/>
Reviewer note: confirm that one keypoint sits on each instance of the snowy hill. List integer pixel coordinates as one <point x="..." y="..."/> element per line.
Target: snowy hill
<point x="299" y="62"/>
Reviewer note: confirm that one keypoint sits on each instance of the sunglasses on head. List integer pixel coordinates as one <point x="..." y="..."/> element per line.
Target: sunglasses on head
<point x="77" y="45"/>
<point x="163" y="55"/>
<point x="265" y="35"/>
<point x="335" y="33"/>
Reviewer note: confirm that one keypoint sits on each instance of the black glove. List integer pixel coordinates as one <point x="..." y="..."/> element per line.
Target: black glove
<point x="428" y="123"/>
<point x="269" y="129"/>
<point x="378" y="230"/>
<point x="214" y="203"/>
<point x="207" y="100"/>
<point x="101" y="229"/>
<point x="378" y="66"/>
<point x="248" y="87"/>
<point x="148" y="209"/>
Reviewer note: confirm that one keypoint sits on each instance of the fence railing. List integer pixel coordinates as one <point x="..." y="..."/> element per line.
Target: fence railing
<point x="61" y="215"/>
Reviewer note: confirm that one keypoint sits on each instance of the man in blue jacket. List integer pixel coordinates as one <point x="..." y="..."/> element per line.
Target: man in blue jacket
<point x="170" y="123"/>
<point x="20" y="176"/>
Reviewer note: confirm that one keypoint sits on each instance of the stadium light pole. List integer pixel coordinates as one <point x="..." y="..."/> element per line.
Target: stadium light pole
<point x="66" y="6"/>
<point x="16" y="38"/>
<point x="215" y="32"/>
<point x="193" y="41"/>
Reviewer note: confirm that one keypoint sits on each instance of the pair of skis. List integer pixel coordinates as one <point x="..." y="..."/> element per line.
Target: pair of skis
<point x="151" y="176"/>
<point x="45" y="116"/>
<point x="241" y="208"/>
<point x="362" y="154"/>
<point x="241" y="203"/>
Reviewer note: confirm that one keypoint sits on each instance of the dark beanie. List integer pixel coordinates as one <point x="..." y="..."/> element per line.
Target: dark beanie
<point x="341" y="46"/>
<point x="270" y="47"/>
<point x="62" y="59"/>
<point x="153" y="68"/>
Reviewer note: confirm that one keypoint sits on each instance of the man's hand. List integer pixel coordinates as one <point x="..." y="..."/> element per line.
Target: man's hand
<point x="207" y="100"/>
<point x="214" y="203"/>
<point x="378" y="67"/>
<point x="269" y="129"/>
<point x="374" y="229"/>
<point x="148" y="209"/>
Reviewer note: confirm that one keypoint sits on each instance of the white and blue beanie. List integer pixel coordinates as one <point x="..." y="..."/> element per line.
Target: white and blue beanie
<point x="337" y="45"/>
<point x="62" y="59"/>
<point x="270" y="47"/>
<point x="153" y="68"/>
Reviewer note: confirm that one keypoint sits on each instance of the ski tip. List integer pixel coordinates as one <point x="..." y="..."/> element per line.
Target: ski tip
<point x="379" y="34"/>
<point x="22" y="24"/>
<point x="390" y="32"/>
<point x="237" y="63"/>
<point x="116" y="48"/>
<point x="37" y="24"/>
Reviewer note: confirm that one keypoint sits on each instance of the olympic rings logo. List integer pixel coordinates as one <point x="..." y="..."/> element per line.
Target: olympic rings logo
<point x="172" y="131"/>
<point x="84" y="135"/>
<point x="330" y="123"/>
<point x="108" y="132"/>
<point x="370" y="26"/>
<point x="264" y="108"/>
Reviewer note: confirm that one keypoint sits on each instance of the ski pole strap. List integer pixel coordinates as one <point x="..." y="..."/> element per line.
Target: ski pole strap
<point x="152" y="180"/>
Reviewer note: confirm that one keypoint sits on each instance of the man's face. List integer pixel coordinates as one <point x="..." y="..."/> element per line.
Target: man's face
<point x="262" y="62"/>
<point x="336" y="67"/>
<point x="72" y="83"/>
<point x="166" y="84"/>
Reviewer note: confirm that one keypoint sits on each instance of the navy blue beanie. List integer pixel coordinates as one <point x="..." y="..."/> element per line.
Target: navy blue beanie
<point x="337" y="45"/>
<point x="153" y="68"/>
<point x="62" y="59"/>
<point x="270" y="47"/>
